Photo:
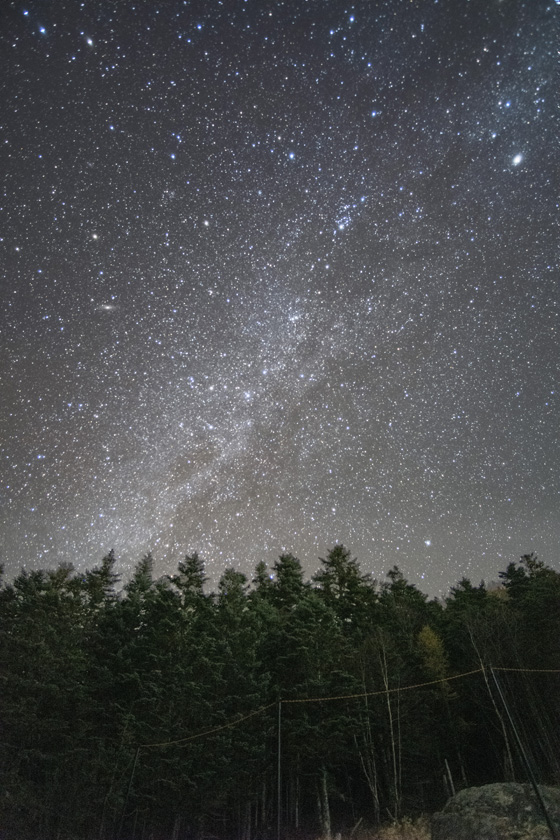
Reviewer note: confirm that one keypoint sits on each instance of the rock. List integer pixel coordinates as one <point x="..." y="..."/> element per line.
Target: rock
<point x="507" y="811"/>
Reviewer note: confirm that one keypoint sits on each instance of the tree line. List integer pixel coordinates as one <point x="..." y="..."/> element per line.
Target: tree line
<point x="276" y="706"/>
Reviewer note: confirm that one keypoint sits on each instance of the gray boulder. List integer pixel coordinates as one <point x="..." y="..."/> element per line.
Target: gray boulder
<point x="507" y="811"/>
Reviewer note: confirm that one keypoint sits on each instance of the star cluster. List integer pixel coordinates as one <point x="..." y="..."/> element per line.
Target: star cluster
<point x="278" y="275"/>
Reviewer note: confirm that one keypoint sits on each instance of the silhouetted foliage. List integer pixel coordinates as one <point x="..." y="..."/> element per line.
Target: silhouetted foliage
<point x="154" y="710"/>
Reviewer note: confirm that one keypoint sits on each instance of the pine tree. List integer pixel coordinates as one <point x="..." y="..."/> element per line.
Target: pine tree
<point x="43" y="701"/>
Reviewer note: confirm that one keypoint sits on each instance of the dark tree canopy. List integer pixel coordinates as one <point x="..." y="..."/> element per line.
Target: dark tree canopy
<point x="153" y="710"/>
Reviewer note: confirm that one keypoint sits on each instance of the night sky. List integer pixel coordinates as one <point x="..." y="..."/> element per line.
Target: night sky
<point x="277" y="275"/>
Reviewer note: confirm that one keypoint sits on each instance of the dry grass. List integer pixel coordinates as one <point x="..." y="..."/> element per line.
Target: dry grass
<point x="405" y="829"/>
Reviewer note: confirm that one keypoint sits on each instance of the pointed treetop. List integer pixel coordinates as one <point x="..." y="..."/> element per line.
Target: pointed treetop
<point x="142" y="577"/>
<point x="340" y="573"/>
<point x="262" y="579"/>
<point x="190" y="577"/>
<point x="288" y="584"/>
<point x="100" y="582"/>
<point x="232" y="585"/>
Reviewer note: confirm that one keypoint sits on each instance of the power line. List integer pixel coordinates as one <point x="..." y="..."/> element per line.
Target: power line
<point x="233" y="723"/>
<point x="229" y="725"/>
<point x="383" y="691"/>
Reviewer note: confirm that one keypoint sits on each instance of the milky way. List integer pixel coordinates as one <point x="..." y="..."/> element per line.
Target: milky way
<point x="280" y="275"/>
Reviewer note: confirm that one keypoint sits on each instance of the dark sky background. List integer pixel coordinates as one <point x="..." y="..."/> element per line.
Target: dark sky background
<point x="277" y="275"/>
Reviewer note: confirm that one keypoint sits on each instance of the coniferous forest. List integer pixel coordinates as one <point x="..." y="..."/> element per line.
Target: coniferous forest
<point x="272" y="707"/>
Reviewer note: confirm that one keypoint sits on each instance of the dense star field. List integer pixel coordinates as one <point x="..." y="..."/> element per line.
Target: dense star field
<point x="280" y="275"/>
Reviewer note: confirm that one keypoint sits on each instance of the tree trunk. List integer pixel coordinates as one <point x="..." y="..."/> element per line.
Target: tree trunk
<point x="247" y="822"/>
<point x="323" y="805"/>
<point x="509" y="773"/>
<point x="176" y="827"/>
<point x="262" y="815"/>
<point x="395" y="740"/>
<point x="367" y="757"/>
<point x="296" y="803"/>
